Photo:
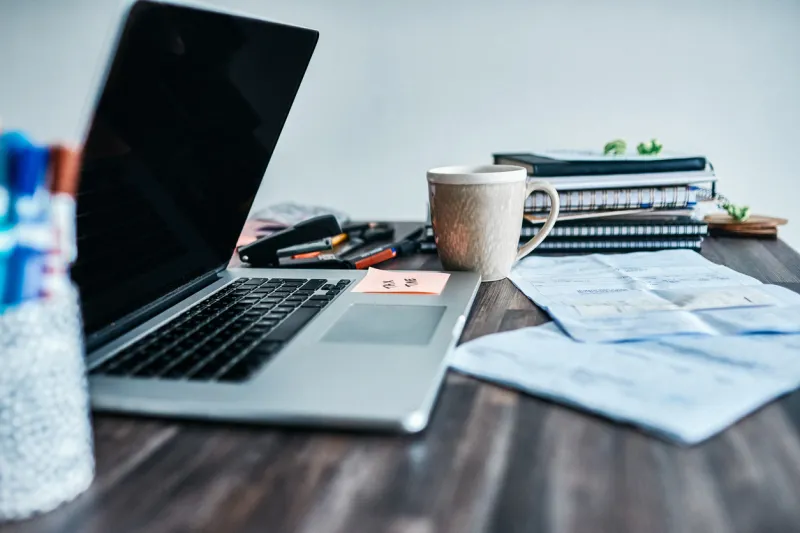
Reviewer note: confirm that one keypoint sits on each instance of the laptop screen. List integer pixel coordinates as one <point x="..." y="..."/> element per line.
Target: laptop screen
<point x="182" y="133"/>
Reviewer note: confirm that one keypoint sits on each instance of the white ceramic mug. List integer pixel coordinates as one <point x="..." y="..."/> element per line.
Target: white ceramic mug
<point x="476" y="213"/>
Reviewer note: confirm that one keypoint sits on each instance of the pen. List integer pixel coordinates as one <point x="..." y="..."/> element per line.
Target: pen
<point x="408" y="245"/>
<point x="305" y="251"/>
<point x="350" y="246"/>
<point x="372" y="257"/>
<point x="376" y="255"/>
<point x="345" y="248"/>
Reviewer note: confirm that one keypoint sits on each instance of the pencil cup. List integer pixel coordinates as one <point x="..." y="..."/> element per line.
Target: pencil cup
<point x="46" y="449"/>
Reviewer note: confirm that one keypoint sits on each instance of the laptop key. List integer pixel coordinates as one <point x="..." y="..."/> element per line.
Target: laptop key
<point x="314" y="284"/>
<point x="237" y="346"/>
<point x="314" y="304"/>
<point x="267" y="347"/>
<point x="238" y="372"/>
<point x="249" y="364"/>
<point x="105" y="367"/>
<point x="294" y="323"/>
<point x="210" y="369"/>
<point x="238" y="325"/>
<point x="153" y="368"/>
<point x="251" y="336"/>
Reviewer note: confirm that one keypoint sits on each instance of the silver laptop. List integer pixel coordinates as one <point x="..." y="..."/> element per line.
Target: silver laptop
<point x="185" y="125"/>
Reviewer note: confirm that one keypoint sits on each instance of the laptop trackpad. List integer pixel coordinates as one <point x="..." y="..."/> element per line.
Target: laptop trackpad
<point x="386" y="324"/>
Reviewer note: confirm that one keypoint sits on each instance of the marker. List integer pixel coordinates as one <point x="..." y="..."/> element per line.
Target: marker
<point x="5" y="196"/>
<point x="375" y="256"/>
<point x="63" y="183"/>
<point x="371" y="257"/>
<point x="65" y="172"/>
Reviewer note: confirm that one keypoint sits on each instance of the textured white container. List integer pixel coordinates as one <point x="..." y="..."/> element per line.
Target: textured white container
<point x="46" y="447"/>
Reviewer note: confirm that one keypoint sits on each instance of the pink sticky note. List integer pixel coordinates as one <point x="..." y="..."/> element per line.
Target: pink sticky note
<point x="402" y="282"/>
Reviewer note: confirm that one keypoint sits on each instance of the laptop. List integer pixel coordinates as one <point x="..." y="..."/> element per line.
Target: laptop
<point x="190" y="111"/>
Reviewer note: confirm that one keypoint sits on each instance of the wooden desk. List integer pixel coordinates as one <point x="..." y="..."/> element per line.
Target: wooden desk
<point x="491" y="460"/>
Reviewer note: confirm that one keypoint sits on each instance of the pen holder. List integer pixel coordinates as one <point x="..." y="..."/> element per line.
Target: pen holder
<point x="46" y="448"/>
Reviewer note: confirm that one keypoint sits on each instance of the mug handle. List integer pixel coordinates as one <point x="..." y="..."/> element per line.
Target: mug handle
<point x="545" y="187"/>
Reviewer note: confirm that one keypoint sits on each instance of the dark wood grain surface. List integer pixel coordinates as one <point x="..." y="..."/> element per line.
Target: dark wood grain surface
<point x="491" y="460"/>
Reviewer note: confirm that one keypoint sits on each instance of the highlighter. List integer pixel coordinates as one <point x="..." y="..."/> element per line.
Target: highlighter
<point x="7" y="242"/>
<point x="26" y="265"/>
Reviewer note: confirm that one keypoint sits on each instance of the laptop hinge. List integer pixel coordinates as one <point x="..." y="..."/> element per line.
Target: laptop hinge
<point x="146" y="312"/>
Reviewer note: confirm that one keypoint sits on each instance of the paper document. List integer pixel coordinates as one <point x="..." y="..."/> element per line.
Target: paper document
<point x="402" y="282"/>
<point x="610" y="298"/>
<point x="681" y="388"/>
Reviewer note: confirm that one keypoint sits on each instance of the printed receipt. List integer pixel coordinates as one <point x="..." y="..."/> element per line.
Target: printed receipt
<point x="611" y="298"/>
<point x="402" y="282"/>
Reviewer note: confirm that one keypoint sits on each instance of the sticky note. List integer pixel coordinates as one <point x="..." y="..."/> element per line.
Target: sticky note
<point x="402" y="282"/>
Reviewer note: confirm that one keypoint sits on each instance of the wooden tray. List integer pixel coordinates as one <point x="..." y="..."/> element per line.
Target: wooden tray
<point x="755" y="226"/>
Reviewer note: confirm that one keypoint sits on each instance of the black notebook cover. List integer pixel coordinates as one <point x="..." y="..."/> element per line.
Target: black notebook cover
<point x="542" y="166"/>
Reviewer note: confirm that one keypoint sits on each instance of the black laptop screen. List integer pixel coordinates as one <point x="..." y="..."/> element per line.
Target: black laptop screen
<point x="182" y="133"/>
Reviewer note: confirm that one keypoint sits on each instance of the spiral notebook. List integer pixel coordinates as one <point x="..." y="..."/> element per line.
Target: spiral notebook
<point x="654" y="225"/>
<point x="613" y="199"/>
<point x="619" y="245"/>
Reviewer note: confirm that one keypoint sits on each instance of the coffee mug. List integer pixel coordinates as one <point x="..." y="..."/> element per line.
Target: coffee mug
<point x="476" y="213"/>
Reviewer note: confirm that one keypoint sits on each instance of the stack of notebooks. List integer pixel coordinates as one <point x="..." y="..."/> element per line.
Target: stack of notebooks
<point x="615" y="203"/>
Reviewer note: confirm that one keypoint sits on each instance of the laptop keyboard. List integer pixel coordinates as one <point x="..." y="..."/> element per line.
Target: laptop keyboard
<point x="228" y="336"/>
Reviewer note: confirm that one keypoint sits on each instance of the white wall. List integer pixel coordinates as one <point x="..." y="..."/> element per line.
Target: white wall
<point x="398" y="87"/>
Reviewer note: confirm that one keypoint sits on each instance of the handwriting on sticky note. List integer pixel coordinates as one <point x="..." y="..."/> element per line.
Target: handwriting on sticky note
<point x="402" y="282"/>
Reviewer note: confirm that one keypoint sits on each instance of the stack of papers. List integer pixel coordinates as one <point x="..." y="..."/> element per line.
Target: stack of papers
<point x="679" y="388"/>
<point x="668" y="341"/>
<point x="612" y="298"/>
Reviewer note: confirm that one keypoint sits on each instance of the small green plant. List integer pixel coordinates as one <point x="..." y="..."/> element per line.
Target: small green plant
<point x="739" y="212"/>
<point x="652" y="148"/>
<point x="616" y="147"/>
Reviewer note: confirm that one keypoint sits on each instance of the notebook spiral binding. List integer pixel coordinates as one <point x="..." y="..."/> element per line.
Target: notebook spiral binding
<point x="615" y="199"/>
